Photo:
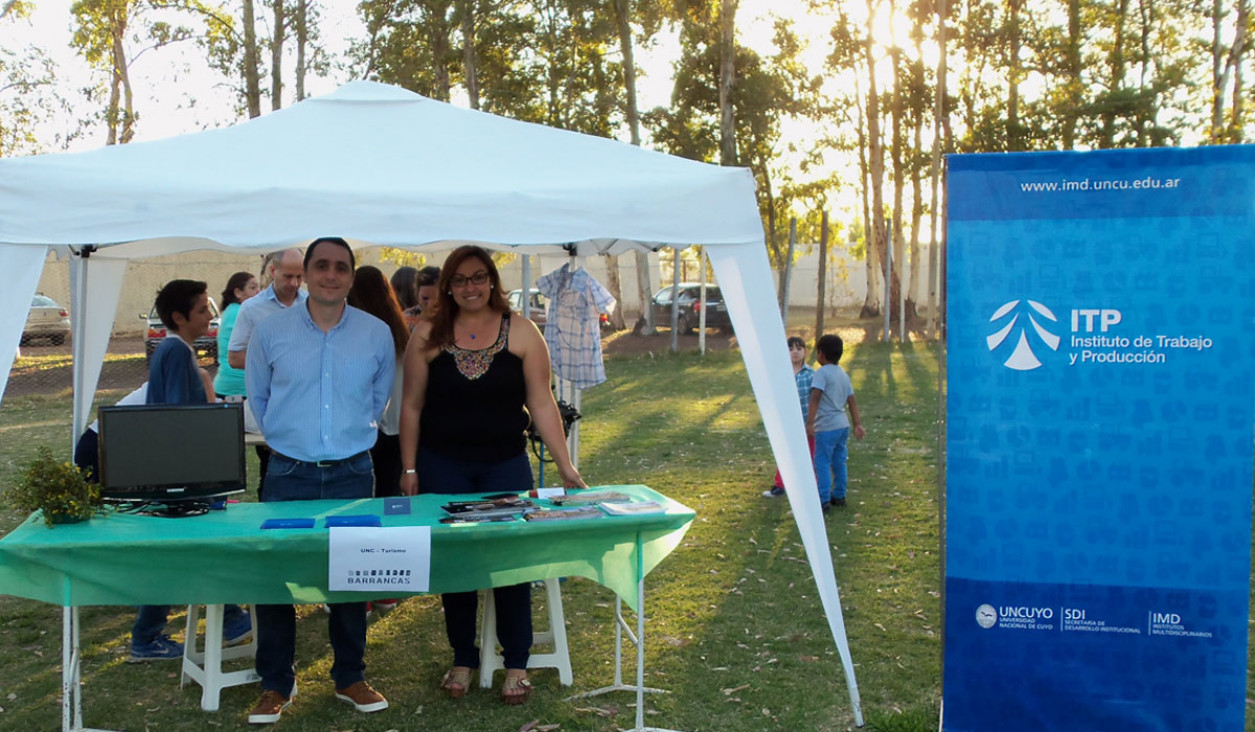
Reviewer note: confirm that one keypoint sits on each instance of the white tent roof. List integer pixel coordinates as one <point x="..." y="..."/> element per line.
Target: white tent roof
<point x="381" y="165"/>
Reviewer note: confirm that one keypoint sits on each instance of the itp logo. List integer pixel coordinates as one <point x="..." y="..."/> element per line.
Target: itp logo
<point x="1023" y="314"/>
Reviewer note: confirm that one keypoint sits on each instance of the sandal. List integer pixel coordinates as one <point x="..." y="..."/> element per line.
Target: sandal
<point x="456" y="682"/>
<point x="515" y="690"/>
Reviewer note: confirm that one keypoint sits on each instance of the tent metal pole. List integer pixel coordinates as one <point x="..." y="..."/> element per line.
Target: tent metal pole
<point x="675" y="300"/>
<point x="701" y="328"/>
<point x="78" y="309"/>
<point x="527" y="286"/>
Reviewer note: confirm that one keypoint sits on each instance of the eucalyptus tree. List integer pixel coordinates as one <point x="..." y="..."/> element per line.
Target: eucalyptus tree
<point x="112" y="34"/>
<point x="1229" y="52"/>
<point x="252" y="46"/>
<point x="767" y="90"/>
<point x="28" y="97"/>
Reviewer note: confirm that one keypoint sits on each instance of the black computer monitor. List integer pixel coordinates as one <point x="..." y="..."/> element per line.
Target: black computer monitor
<point x="180" y="456"/>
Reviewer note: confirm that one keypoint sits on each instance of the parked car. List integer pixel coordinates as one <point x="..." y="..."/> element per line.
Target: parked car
<point x="207" y="343"/>
<point x="47" y="320"/>
<point x="537" y="308"/>
<point x="690" y="308"/>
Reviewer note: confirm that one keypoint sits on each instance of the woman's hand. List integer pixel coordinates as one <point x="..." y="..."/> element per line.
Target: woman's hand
<point x="571" y="477"/>
<point x="409" y="484"/>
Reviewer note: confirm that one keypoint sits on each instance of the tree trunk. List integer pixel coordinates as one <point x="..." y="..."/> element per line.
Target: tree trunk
<point x="727" y="79"/>
<point x="252" y="80"/>
<point x="898" y="272"/>
<point x="645" y="322"/>
<point x="822" y="295"/>
<point x="775" y="256"/>
<point x="1014" y="72"/>
<point x="438" y="29"/>
<point x="470" y="56"/>
<point x="1116" y="62"/>
<point x="302" y="38"/>
<point x="1233" y="67"/>
<point x="917" y="203"/>
<point x="623" y="16"/>
<point x="124" y="117"/>
<point x="1074" y="86"/>
<point x="876" y="153"/>
<point x="276" y="56"/>
<point x="1217" y="79"/>
<point x="615" y="286"/>
<point x="871" y="301"/>
<point x="940" y="112"/>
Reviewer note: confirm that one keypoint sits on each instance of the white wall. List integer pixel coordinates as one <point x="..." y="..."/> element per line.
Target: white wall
<point x="847" y="277"/>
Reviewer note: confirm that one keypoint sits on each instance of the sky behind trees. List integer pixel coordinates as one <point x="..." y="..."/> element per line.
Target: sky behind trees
<point x="845" y="106"/>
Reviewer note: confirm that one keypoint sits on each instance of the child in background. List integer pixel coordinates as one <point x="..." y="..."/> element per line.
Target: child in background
<point x="802" y="374"/>
<point x="827" y="422"/>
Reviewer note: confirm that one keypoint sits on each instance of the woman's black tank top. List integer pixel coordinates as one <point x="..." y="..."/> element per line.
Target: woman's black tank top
<point x="474" y="406"/>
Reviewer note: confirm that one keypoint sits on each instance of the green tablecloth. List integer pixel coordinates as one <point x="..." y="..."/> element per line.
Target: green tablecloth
<point x="225" y="556"/>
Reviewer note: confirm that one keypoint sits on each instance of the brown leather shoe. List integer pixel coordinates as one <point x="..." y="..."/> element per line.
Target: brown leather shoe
<point x="362" y="697"/>
<point x="269" y="708"/>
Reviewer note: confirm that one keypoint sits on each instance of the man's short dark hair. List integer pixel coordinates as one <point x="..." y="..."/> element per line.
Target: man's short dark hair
<point x="309" y="250"/>
<point x="831" y="346"/>
<point x="178" y="296"/>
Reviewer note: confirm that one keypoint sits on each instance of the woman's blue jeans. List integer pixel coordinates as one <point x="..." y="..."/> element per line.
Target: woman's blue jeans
<point x="442" y="474"/>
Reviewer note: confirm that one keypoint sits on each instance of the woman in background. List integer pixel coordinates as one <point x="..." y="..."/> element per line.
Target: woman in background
<point x="240" y="287"/>
<point x="405" y="287"/>
<point x="372" y="293"/>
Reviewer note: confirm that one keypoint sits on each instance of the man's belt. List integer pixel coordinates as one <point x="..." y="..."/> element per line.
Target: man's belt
<point x="323" y="463"/>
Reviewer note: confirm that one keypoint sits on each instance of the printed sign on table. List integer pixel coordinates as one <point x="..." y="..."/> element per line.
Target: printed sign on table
<point x="1100" y="402"/>
<point x="374" y="559"/>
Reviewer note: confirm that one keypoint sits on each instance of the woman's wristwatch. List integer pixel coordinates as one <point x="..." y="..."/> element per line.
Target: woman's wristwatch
<point x="410" y="471"/>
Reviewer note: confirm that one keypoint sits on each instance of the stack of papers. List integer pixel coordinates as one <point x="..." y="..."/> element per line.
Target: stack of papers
<point x="488" y="510"/>
<point x="564" y="514"/>
<point x="587" y="498"/>
<point x="627" y="509"/>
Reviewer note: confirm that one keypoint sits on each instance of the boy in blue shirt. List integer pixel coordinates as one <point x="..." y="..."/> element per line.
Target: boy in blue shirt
<point x="826" y="421"/>
<point x="175" y="378"/>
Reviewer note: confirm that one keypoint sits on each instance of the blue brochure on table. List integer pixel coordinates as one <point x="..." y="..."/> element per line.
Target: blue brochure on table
<point x="288" y="523"/>
<point x="394" y="506"/>
<point x="359" y="520"/>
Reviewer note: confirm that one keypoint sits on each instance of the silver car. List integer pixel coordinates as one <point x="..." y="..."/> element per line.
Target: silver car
<point x="47" y="320"/>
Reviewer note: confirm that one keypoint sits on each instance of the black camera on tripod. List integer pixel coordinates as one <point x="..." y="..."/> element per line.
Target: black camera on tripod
<point x="569" y="415"/>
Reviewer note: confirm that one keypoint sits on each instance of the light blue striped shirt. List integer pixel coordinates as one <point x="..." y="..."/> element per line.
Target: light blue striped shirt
<point x="256" y="309"/>
<point x="318" y="396"/>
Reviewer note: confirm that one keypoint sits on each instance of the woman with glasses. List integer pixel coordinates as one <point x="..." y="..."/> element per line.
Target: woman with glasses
<point x="473" y="375"/>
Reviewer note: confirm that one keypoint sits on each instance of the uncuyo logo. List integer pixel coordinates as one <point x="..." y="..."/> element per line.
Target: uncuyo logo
<point x="1022" y="318"/>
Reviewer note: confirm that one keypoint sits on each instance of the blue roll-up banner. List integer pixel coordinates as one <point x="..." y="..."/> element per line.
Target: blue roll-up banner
<point x="1100" y="402"/>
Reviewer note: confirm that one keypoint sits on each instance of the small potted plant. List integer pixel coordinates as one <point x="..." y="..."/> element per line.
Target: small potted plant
<point x="58" y="488"/>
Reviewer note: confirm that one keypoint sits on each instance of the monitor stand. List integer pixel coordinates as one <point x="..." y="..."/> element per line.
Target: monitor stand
<point x="178" y="509"/>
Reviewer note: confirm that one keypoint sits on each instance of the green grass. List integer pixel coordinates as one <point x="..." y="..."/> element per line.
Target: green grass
<point x="735" y="630"/>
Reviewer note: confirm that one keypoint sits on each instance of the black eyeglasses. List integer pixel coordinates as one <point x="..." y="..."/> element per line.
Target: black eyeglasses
<point x="459" y="281"/>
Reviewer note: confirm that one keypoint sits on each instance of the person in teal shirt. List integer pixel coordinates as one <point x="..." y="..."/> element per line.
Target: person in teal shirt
<point x="241" y="286"/>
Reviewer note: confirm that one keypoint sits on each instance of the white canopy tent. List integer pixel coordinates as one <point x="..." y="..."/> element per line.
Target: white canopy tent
<point x="380" y="165"/>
